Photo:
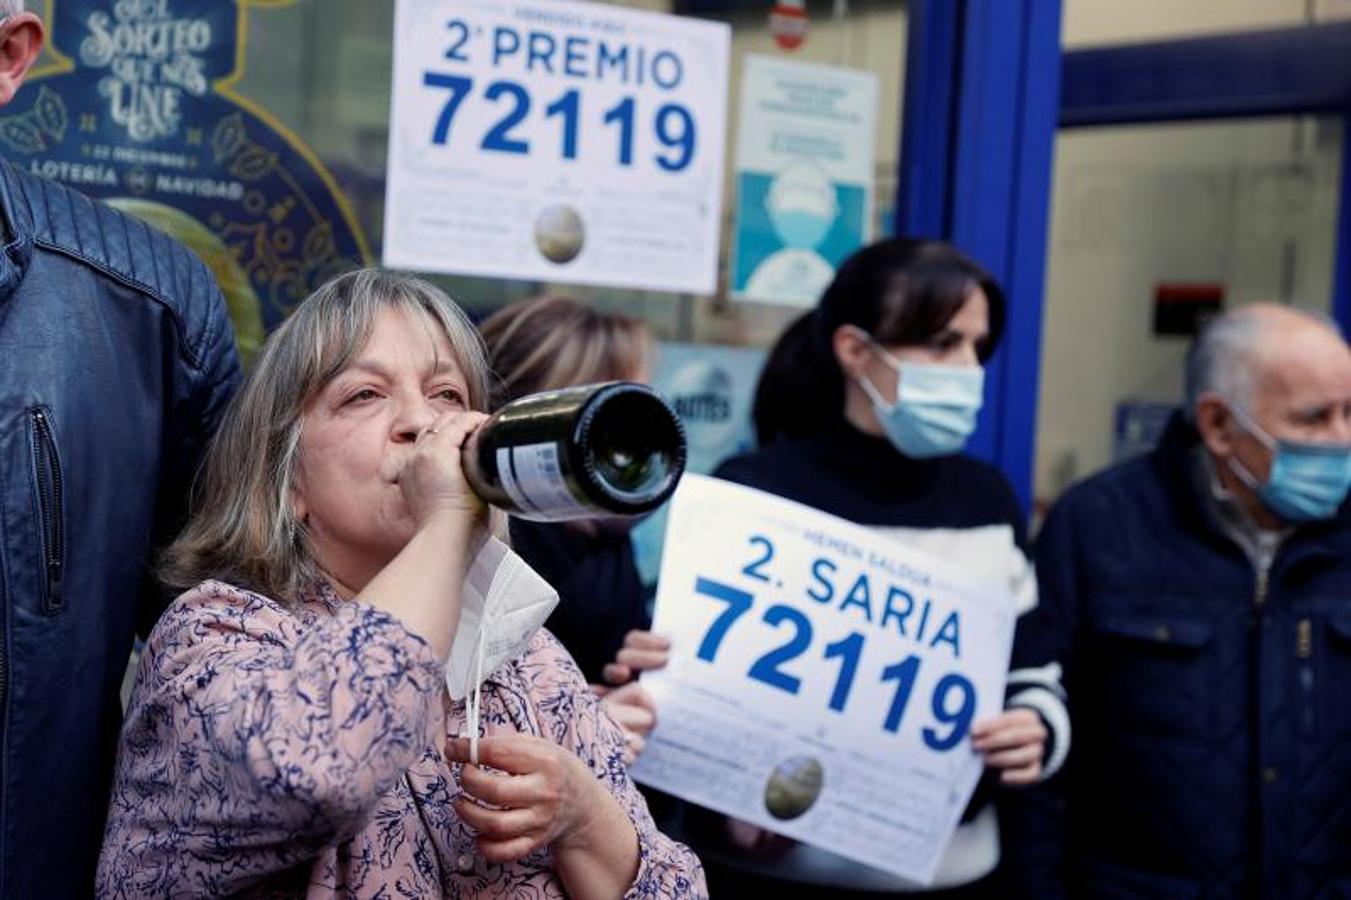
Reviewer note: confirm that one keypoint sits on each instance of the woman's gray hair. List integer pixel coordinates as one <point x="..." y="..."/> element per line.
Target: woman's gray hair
<point x="243" y="529"/>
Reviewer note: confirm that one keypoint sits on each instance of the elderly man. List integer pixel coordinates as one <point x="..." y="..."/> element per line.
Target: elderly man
<point x="1199" y="602"/>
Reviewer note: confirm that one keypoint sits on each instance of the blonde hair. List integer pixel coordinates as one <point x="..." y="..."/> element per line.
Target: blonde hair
<point x="552" y="342"/>
<point x="243" y="528"/>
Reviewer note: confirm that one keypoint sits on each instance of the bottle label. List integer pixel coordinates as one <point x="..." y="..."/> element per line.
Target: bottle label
<point x="533" y="477"/>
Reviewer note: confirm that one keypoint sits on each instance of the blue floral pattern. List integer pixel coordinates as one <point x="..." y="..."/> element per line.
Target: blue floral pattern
<point x="274" y="751"/>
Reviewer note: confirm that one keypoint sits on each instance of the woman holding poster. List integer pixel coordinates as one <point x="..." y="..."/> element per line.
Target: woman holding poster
<point x="863" y="411"/>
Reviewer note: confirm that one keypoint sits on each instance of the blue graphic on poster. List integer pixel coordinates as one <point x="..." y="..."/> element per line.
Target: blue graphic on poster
<point x="794" y="228"/>
<point x="804" y="163"/>
<point x="137" y="107"/>
<point x="711" y="389"/>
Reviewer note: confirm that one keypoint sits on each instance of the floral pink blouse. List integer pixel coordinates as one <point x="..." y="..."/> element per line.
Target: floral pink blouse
<point x="286" y="752"/>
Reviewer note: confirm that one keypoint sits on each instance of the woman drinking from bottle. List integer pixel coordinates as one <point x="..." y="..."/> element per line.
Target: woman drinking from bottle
<point x="863" y="412"/>
<point x="290" y="731"/>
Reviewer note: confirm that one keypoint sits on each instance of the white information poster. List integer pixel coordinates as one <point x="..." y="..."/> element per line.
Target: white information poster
<point x="804" y="176"/>
<point x="823" y="677"/>
<point x="553" y="141"/>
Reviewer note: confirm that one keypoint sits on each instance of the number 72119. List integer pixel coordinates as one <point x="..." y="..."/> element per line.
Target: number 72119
<point x="952" y="705"/>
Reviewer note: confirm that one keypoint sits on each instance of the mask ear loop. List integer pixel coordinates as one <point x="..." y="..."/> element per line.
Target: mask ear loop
<point x="474" y="696"/>
<point x="866" y="383"/>
<point x="1248" y="424"/>
<point x="874" y="394"/>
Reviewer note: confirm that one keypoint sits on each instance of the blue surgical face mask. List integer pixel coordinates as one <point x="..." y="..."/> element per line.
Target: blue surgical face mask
<point x="800" y="228"/>
<point x="935" y="409"/>
<point x="1308" y="482"/>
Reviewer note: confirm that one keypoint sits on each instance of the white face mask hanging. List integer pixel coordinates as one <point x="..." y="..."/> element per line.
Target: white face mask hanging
<point x="503" y="603"/>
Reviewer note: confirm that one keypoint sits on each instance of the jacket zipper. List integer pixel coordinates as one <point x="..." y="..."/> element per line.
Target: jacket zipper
<point x="49" y="499"/>
<point x="1304" y="653"/>
<point x="1260" y="594"/>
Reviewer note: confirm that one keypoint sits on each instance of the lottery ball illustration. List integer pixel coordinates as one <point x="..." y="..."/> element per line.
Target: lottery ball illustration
<point x="559" y="233"/>
<point x="793" y="787"/>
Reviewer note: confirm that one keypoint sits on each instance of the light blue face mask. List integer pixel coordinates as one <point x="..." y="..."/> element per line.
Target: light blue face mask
<point x="1308" y="482"/>
<point x="935" y="409"/>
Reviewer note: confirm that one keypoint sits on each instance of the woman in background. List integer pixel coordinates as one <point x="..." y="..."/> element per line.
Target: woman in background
<point x="602" y="617"/>
<point x="862" y="411"/>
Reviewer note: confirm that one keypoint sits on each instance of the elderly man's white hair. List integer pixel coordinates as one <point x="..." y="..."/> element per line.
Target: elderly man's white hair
<point x="10" y="8"/>
<point x="1225" y="357"/>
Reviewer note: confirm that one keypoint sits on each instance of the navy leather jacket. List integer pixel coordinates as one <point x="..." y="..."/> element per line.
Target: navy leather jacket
<point x="1211" y="706"/>
<point x="116" y="361"/>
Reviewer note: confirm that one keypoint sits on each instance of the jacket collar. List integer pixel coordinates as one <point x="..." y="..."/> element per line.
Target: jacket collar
<point x="17" y="223"/>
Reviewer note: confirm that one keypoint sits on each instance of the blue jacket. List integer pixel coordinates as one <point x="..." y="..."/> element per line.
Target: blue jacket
<point x="1211" y="707"/>
<point x="116" y="360"/>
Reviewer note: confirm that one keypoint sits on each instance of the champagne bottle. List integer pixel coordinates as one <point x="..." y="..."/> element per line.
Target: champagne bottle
<point x="612" y="449"/>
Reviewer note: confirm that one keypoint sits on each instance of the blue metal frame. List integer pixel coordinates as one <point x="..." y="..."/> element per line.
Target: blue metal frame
<point x="931" y="80"/>
<point x="979" y="134"/>
<point x="1260" y="73"/>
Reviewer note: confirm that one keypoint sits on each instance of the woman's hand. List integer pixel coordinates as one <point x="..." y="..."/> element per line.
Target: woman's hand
<point x="421" y="585"/>
<point x="1014" y="742"/>
<point x="543" y="796"/>
<point x="432" y="477"/>
<point x="636" y="712"/>
<point x="754" y="840"/>
<point x="642" y="650"/>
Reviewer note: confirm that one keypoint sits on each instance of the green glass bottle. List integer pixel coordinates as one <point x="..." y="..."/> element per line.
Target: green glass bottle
<point x="612" y="449"/>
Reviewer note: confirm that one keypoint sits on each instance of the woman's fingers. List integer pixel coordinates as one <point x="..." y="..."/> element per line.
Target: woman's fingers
<point x="505" y="791"/>
<point x="518" y="754"/>
<point x="499" y="824"/>
<point x="642" y="650"/>
<point x="507" y="851"/>
<point x="634" y="720"/>
<point x="614" y="673"/>
<point x="637" y="695"/>
<point x="431" y="477"/>
<point x="1026" y="775"/>
<point x="1009" y="729"/>
<point x="641" y="659"/>
<point x="452" y="429"/>
<point x="1013" y="742"/>
<point x="744" y="835"/>
<point x="1017" y="758"/>
<point x="634" y="710"/>
<point x="1005" y="739"/>
<point x="639" y="639"/>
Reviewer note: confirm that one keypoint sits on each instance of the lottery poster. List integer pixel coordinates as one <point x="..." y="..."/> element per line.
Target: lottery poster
<point x="562" y="142"/>
<point x="824" y="677"/>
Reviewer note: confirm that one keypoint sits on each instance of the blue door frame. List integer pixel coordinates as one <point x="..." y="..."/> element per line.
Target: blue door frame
<point x="981" y="88"/>
<point x="985" y="89"/>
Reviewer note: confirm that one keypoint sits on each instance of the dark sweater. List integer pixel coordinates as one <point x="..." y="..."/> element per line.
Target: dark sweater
<point x="863" y="478"/>
<point x="600" y="593"/>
